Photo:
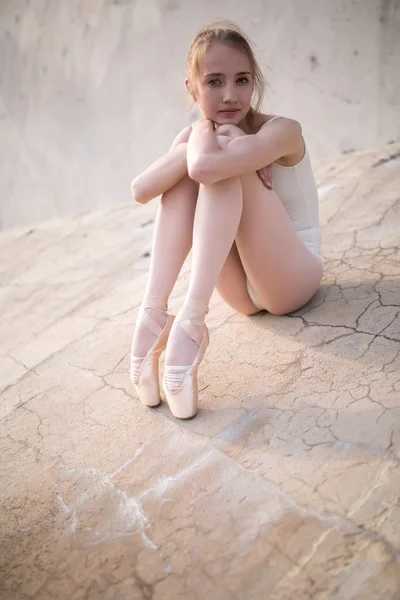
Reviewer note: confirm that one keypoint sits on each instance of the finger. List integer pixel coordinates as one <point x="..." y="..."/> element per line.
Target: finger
<point x="266" y="179"/>
<point x="269" y="179"/>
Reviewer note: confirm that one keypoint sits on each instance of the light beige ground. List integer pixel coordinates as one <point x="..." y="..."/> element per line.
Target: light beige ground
<point x="286" y="484"/>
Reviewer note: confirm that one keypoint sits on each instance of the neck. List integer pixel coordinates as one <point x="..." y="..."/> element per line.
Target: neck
<point x="247" y="125"/>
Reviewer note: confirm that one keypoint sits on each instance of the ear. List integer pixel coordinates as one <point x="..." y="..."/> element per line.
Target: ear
<point x="189" y="89"/>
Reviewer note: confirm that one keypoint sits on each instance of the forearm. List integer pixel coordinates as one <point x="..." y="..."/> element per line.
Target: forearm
<point x="207" y="150"/>
<point x="202" y="142"/>
<point x="161" y="175"/>
<point x="248" y="153"/>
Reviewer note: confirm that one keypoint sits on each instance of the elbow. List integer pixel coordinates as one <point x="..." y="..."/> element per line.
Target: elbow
<point x="138" y="192"/>
<point x="199" y="171"/>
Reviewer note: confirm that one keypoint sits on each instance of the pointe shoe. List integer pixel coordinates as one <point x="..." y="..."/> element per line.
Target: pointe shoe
<point x="183" y="400"/>
<point x="146" y="379"/>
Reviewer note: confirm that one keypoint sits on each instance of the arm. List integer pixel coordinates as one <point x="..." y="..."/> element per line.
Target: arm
<point x="164" y="172"/>
<point x="245" y="154"/>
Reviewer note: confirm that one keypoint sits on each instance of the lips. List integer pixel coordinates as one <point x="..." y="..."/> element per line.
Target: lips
<point x="230" y="112"/>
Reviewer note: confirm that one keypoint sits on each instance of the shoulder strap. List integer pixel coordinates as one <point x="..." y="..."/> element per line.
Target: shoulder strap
<point x="273" y="119"/>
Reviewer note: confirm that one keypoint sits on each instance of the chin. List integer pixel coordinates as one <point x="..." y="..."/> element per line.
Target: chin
<point x="223" y="120"/>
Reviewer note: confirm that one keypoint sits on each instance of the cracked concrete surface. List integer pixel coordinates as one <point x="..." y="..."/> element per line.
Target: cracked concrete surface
<point x="286" y="484"/>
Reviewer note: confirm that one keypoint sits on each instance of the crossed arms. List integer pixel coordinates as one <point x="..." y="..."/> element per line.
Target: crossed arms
<point x="196" y="151"/>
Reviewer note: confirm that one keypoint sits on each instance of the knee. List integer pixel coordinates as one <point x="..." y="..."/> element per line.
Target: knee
<point x="184" y="188"/>
<point x="223" y="140"/>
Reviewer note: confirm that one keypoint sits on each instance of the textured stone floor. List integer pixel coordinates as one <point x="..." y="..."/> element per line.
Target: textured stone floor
<point x="286" y="484"/>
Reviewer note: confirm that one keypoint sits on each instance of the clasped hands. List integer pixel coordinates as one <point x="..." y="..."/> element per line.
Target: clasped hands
<point x="232" y="132"/>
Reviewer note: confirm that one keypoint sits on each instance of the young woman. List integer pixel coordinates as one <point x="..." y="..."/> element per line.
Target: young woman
<point x="260" y="247"/>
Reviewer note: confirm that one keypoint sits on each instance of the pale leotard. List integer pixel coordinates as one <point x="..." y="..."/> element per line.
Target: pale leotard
<point x="297" y="190"/>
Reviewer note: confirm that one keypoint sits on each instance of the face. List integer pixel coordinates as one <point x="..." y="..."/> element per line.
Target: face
<point x="225" y="86"/>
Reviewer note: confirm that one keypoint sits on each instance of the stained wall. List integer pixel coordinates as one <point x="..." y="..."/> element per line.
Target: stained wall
<point x="92" y="91"/>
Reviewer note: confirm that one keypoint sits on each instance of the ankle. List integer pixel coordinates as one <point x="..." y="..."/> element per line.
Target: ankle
<point x="193" y="308"/>
<point x="159" y="303"/>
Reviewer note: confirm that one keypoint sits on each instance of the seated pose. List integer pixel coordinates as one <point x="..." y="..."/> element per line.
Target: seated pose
<point x="258" y="246"/>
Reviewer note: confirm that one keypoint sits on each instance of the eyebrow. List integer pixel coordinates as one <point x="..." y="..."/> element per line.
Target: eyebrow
<point x="222" y="74"/>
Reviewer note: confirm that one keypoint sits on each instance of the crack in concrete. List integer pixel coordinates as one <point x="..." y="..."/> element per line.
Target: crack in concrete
<point x="306" y="414"/>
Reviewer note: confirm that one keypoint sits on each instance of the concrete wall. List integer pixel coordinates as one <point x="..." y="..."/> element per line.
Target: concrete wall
<point x="93" y="90"/>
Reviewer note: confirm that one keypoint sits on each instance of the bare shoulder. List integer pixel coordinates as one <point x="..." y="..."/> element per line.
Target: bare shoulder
<point x="287" y="134"/>
<point x="182" y="137"/>
<point x="280" y="123"/>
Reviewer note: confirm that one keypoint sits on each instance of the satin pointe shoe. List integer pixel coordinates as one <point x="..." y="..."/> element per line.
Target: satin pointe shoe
<point x="181" y="389"/>
<point x="144" y="370"/>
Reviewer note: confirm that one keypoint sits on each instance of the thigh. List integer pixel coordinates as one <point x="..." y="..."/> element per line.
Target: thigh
<point x="282" y="270"/>
<point x="232" y="286"/>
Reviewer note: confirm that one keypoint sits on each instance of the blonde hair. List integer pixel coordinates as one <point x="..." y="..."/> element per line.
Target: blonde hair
<point x="224" y="32"/>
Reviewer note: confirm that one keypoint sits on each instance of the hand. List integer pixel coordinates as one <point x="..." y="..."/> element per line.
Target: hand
<point x="230" y="130"/>
<point x="207" y="123"/>
<point x="265" y="174"/>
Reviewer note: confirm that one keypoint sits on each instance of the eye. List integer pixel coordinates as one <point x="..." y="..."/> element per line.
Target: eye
<point x="243" y="80"/>
<point x="214" y="82"/>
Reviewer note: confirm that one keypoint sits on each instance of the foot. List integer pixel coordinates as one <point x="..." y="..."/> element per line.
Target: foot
<point x="143" y="337"/>
<point x="152" y="317"/>
<point x="183" y="344"/>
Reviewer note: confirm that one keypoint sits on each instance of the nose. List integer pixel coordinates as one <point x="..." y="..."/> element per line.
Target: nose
<point x="230" y="94"/>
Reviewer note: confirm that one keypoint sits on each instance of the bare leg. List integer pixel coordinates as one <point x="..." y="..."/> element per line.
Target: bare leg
<point x="231" y="284"/>
<point x="171" y="244"/>
<point x="218" y="213"/>
<point x="283" y="272"/>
